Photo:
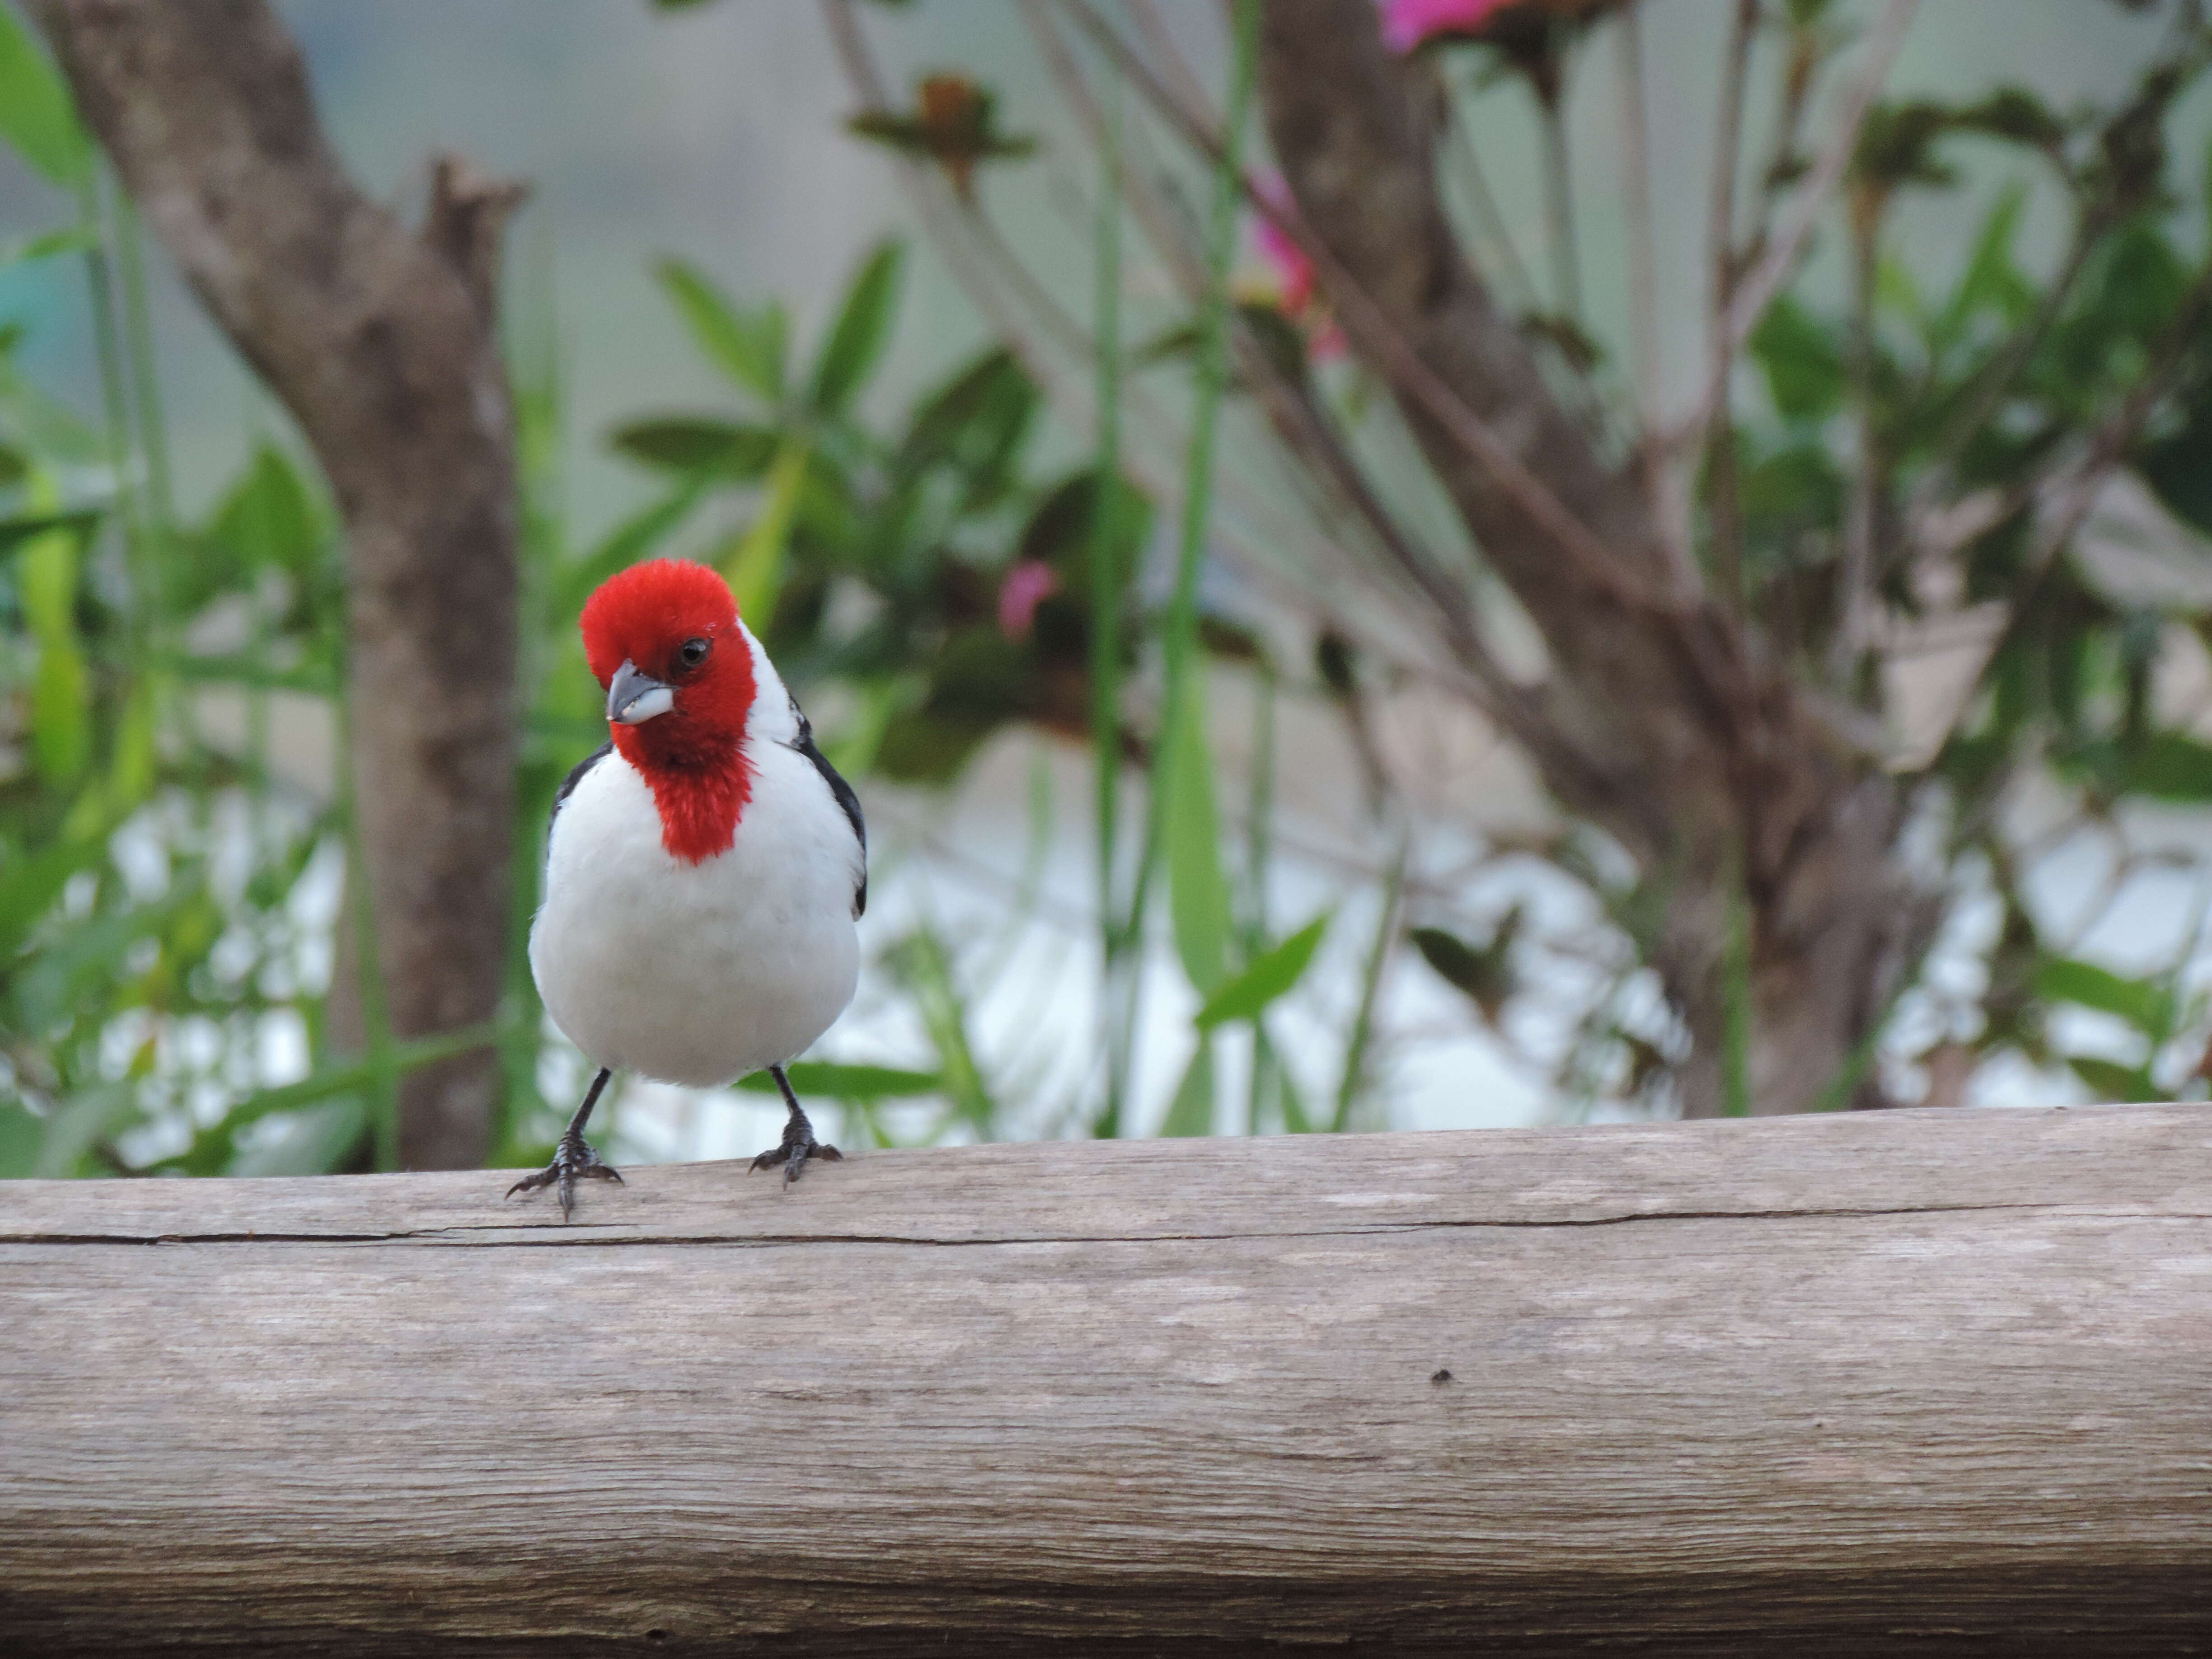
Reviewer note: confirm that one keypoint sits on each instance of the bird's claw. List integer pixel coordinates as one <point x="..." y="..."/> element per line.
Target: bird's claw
<point x="793" y="1153"/>
<point x="572" y="1160"/>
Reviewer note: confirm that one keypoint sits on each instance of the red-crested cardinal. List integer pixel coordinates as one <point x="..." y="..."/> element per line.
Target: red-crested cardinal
<point x="703" y="871"/>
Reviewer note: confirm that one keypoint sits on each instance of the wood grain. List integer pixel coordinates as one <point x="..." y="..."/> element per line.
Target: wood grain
<point x="1935" y="1381"/>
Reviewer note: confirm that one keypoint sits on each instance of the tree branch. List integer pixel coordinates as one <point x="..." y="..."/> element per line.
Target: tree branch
<point x="1756" y="291"/>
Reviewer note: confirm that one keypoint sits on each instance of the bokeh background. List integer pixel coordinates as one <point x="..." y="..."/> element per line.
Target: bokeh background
<point x="719" y="134"/>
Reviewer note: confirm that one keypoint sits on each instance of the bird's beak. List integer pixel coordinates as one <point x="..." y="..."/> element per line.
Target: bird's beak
<point x="634" y="698"/>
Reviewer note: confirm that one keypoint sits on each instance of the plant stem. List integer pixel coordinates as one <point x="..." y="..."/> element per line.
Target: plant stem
<point x="1560" y="208"/>
<point x="1180" y="634"/>
<point x="1736" y="1017"/>
<point x="1643" y="258"/>
<point x="375" y="1011"/>
<point x="1259" y="826"/>
<point x="1723" y="508"/>
<point x="138" y="335"/>
<point x="1260" y="813"/>
<point x="1354" y="1081"/>
<point x="1106" y="588"/>
<point x="1489" y="221"/>
<point x="1853" y="611"/>
<point x="114" y="399"/>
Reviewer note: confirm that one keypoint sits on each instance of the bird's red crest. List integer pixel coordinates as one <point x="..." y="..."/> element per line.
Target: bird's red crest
<point x="693" y="756"/>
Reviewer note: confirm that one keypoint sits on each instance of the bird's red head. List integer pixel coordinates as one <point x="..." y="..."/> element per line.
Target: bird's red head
<point x="663" y="641"/>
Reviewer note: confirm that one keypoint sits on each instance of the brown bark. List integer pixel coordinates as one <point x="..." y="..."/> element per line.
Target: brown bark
<point x="382" y="343"/>
<point x="1667" y="722"/>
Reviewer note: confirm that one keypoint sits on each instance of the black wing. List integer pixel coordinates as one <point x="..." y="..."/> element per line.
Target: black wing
<point x="843" y="793"/>
<point x="568" y="784"/>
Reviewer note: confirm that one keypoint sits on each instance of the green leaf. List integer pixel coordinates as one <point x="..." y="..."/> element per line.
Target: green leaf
<point x="212" y="1148"/>
<point x="61" y="687"/>
<point x="753" y="568"/>
<point x="2115" y="1085"/>
<point x="29" y="885"/>
<point x="14" y="533"/>
<point x="37" y="115"/>
<point x="1802" y="361"/>
<point x="68" y="238"/>
<point x="313" y="1141"/>
<point x="836" y="1082"/>
<point x="61" y="714"/>
<point x="856" y="341"/>
<point x="20" y="1137"/>
<point x="953" y="123"/>
<point x="923" y="967"/>
<point x="976" y="423"/>
<point x="2169" y="766"/>
<point x="1267" y="977"/>
<point x="1483" y="973"/>
<point x="249" y="669"/>
<point x="749" y="346"/>
<point x="1197" y="892"/>
<point x="1990" y="281"/>
<point x="270" y="516"/>
<point x="130" y="760"/>
<point x="720" y="450"/>
<point x="80" y="1123"/>
<point x="2014" y="115"/>
<point x="2144" y="1004"/>
<point x="1062" y="532"/>
<point x="1279" y="337"/>
<point x="1191" y="1111"/>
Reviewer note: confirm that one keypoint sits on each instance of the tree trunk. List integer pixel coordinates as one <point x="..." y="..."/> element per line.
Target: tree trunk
<point x="1767" y="830"/>
<point x="382" y="343"/>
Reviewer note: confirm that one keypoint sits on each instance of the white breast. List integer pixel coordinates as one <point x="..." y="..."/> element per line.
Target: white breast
<point x="698" y="973"/>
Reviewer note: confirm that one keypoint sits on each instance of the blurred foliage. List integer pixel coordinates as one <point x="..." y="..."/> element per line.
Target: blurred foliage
<point x="175" y="992"/>
<point x="953" y="123"/>
<point x="918" y="565"/>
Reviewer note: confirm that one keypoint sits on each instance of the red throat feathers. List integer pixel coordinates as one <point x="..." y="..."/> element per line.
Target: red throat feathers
<point x="693" y="756"/>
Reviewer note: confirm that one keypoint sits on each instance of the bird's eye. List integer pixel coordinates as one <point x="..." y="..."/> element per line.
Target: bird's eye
<point x="693" y="653"/>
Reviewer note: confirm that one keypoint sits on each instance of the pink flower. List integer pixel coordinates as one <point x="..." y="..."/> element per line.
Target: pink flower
<point x="1293" y="270"/>
<point x="1027" y="586"/>
<point x="1407" y="23"/>
<point x="1290" y="264"/>
<point x="1294" y="296"/>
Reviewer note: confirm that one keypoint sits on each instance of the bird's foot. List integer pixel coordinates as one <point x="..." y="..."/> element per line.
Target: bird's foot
<point x="573" y="1160"/>
<point x="799" y="1145"/>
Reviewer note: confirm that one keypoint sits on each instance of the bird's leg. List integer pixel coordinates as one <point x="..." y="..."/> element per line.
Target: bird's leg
<point x="798" y="1142"/>
<point x="572" y="1158"/>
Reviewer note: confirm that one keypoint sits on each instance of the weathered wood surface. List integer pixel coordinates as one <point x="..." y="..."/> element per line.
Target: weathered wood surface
<point x="1935" y="1381"/>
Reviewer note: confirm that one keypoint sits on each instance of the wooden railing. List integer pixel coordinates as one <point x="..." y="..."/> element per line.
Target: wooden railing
<point x="1935" y="1381"/>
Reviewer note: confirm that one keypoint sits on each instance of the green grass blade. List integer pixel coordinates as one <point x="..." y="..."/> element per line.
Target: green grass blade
<point x="1354" y="1084"/>
<point x="1179" y="632"/>
<point x="1736" y="1017"/>
<point x="1191" y="1112"/>
<point x="841" y="1082"/>
<point x="1197" y="891"/>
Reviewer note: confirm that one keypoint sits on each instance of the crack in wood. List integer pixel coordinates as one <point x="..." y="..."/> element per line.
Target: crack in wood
<point x="570" y="1238"/>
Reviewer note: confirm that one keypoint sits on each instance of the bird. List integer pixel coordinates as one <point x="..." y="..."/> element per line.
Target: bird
<point x="706" y="870"/>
